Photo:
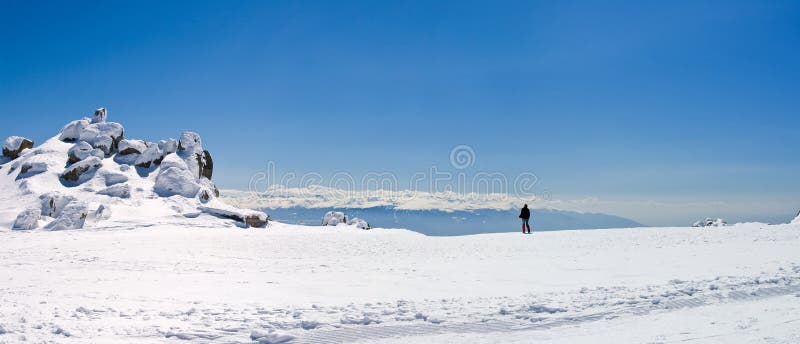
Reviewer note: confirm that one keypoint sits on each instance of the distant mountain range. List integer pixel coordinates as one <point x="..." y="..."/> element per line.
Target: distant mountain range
<point x="447" y="223"/>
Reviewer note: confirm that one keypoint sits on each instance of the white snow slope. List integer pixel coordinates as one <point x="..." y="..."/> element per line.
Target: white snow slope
<point x="210" y="281"/>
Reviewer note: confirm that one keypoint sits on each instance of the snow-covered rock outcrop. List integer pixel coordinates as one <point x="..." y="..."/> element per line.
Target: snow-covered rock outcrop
<point x="360" y="223"/>
<point x="334" y="218"/>
<point x="76" y="178"/>
<point x="14" y="145"/>
<point x="708" y="222"/>
<point x="797" y="218"/>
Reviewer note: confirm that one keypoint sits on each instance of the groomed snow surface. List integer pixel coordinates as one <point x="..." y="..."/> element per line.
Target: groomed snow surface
<point x="203" y="279"/>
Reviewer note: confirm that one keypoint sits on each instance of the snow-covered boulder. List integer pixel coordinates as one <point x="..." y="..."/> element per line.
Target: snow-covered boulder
<point x="190" y="141"/>
<point x="250" y="218"/>
<point x="27" y="219"/>
<point x="14" y="145"/>
<point x="359" y="223"/>
<point x="333" y="218"/>
<point x="151" y="155"/>
<point x="73" y="216"/>
<point x="105" y="136"/>
<point x="173" y="160"/>
<point x="72" y="131"/>
<point x="32" y="167"/>
<point x="83" y="150"/>
<point x="190" y="149"/>
<point x="175" y="181"/>
<point x="99" y="116"/>
<point x="117" y="190"/>
<point x="53" y="202"/>
<point x="131" y="147"/>
<point x="708" y="222"/>
<point x="114" y="178"/>
<point x="78" y="171"/>
<point x="168" y="146"/>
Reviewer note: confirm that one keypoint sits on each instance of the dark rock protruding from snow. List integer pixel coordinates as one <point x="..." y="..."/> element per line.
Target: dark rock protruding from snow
<point x="76" y="171"/>
<point x="14" y="145"/>
<point x="127" y="147"/>
<point x="83" y="150"/>
<point x="151" y="155"/>
<point x="206" y="165"/>
<point x="99" y="116"/>
<point x="708" y="222"/>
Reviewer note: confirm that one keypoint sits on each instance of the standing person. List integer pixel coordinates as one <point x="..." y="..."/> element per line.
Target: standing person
<point x="525" y="215"/>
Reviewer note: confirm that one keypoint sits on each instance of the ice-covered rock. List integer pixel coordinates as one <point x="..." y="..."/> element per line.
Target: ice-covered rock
<point x="72" y="131"/>
<point x="151" y="155"/>
<point x="78" y="171"/>
<point x="83" y="150"/>
<point x="53" y="202"/>
<point x="333" y="218"/>
<point x="27" y="219"/>
<point x="117" y="190"/>
<point x="99" y="116"/>
<point x="14" y="145"/>
<point x="131" y="147"/>
<point x="359" y="223"/>
<point x="708" y="222"/>
<point x="73" y="216"/>
<point x="175" y="181"/>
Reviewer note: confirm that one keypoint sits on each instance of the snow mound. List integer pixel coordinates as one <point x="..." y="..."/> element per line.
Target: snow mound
<point x="59" y="184"/>
<point x="117" y="190"/>
<point x="334" y="218"/>
<point x="175" y="181"/>
<point x="27" y="219"/>
<point x="708" y="222"/>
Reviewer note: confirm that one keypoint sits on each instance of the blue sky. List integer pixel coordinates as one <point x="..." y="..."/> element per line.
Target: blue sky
<point x="640" y="101"/>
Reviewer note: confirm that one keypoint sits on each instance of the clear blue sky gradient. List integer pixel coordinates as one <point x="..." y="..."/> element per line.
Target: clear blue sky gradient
<point x="651" y="100"/>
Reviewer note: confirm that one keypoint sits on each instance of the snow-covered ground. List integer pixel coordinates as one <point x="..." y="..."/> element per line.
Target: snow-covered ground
<point x="211" y="281"/>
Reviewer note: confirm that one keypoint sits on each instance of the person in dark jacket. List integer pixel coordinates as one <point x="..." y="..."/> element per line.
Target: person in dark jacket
<point x="525" y="215"/>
